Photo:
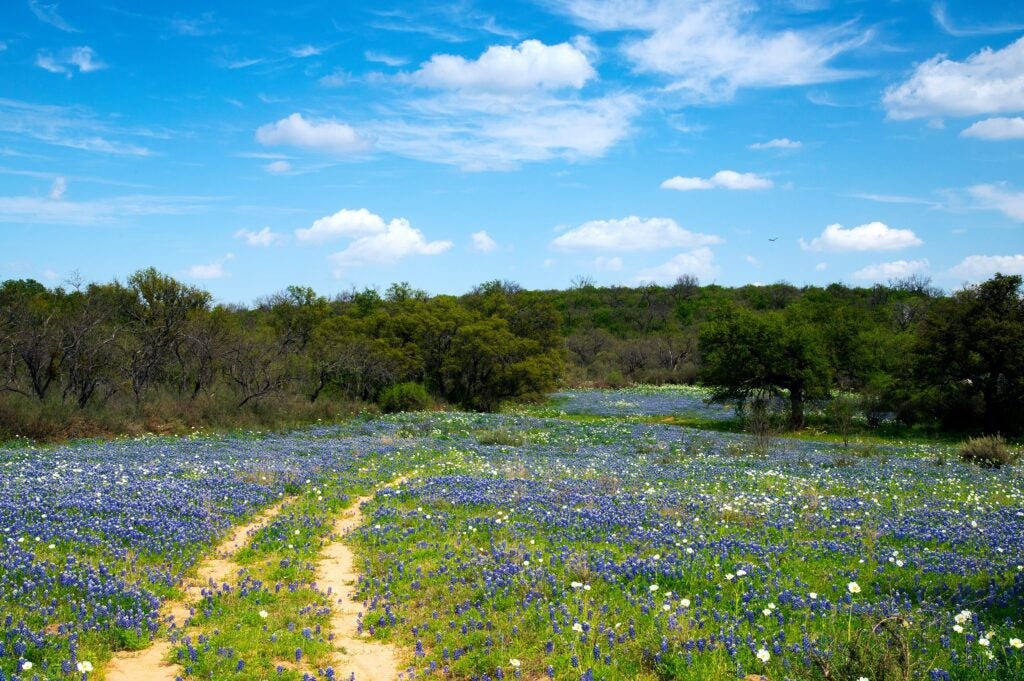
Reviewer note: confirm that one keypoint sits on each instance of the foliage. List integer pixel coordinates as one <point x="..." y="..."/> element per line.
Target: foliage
<point x="987" y="452"/>
<point x="969" y="357"/>
<point x="403" y="397"/>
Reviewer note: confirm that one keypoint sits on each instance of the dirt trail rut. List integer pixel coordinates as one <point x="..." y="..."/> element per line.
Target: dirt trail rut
<point x="366" y="659"/>
<point x="149" y="664"/>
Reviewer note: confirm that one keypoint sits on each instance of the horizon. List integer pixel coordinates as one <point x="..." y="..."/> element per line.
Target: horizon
<point x="244" y="150"/>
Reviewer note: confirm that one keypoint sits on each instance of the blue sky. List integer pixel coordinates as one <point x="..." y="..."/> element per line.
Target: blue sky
<point x="245" y="147"/>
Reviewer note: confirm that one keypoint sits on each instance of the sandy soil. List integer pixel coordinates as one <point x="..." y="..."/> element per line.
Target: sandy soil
<point x="150" y="663"/>
<point x="357" y="653"/>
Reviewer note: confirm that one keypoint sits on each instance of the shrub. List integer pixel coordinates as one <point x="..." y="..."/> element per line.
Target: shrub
<point x="404" y="397"/>
<point x="500" y="436"/>
<point x="987" y="452"/>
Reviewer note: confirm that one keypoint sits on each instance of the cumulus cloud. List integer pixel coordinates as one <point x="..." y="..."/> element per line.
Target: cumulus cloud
<point x="711" y="49"/>
<point x="891" y="270"/>
<point x="264" y="237"/>
<point x="501" y="68"/>
<point x="373" y="241"/>
<point x="874" y="236"/>
<point x="996" y="129"/>
<point x="482" y="242"/>
<point x="632" y="234"/>
<point x="987" y="82"/>
<point x="81" y="58"/>
<point x="998" y="197"/>
<point x="327" y="136"/>
<point x="723" y="179"/>
<point x="397" y="241"/>
<point x="699" y="263"/>
<point x="344" y="223"/>
<point x="980" y="267"/>
<point x="777" y="143"/>
<point x="212" y="270"/>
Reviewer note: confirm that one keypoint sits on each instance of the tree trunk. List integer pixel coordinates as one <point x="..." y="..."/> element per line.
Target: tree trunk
<point x="796" y="408"/>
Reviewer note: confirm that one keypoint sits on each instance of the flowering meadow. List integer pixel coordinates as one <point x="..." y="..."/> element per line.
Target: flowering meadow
<point x="559" y="549"/>
<point x="645" y="400"/>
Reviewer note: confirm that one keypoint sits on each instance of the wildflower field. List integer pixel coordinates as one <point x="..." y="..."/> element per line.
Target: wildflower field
<point x="520" y="546"/>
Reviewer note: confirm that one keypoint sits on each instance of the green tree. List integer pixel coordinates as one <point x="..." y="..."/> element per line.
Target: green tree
<point x="747" y="355"/>
<point x="969" y="356"/>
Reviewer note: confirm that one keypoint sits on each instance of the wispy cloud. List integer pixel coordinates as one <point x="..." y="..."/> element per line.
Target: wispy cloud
<point x="81" y="58"/>
<point x="999" y="197"/>
<point x="894" y="198"/>
<point x="304" y="51"/>
<point x="946" y="23"/>
<point x="723" y="179"/>
<point x="265" y="237"/>
<point x="196" y="27"/>
<point x="781" y="143"/>
<point x="71" y="127"/>
<point x="710" y="50"/>
<point x="386" y="59"/>
<point x="49" y="14"/>
<point x="46" y="211"/>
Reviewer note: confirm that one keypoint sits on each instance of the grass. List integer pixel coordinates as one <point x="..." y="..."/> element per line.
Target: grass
<point x="523" y="543"/>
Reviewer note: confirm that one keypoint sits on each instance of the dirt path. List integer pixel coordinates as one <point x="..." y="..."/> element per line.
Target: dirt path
<point x="358" y="654"/>
<point x="150" y="663"/>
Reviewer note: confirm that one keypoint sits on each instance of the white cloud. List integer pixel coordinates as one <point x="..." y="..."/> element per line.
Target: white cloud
<point x="997" y="197"/>
<point x="45" y="211"/>
<point x="942" y="19"/>
<point x="386" y="59"/>
<point x="632" y="234"/>
<point x="891" y="270"/>
<point x="874" y="236"/>
<point x="979" y="267"/>
<point x="264" y="237"/>
<point x="987" y="82"/>
<point x="723" y="179"/>
<point x="482" y="242"/>
<point x="278" y="167"/>
<point x="48" y="14"/>
<point x="396" y="241"/>
<point x="213" y="270"/>
<point x="711" y="49"/>
<point x="336" y="78"/>
<point x="498" y="133"/>
<point x="821" y="267"/>
<point x="50" y="275"/>
<point x="321" y="135"/>
<point x="752" y="261"/>
<point x="527" y="66"/>
<point x="344" y="223"/>
<point x="996" y="129"/>
<point x="613" y="264"/>
<point x="303" y="51"/>
<point x="81" y="58"/>
<point x="60" y="185"/>
<point x="699" y="263"/>
<point x="777" y="143"/>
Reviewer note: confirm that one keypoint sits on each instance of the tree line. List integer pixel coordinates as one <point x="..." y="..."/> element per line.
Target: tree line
<point x="158" y="348"/>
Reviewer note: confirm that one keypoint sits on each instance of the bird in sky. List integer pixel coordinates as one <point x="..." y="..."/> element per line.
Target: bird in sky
<point x="773" y="238"/>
